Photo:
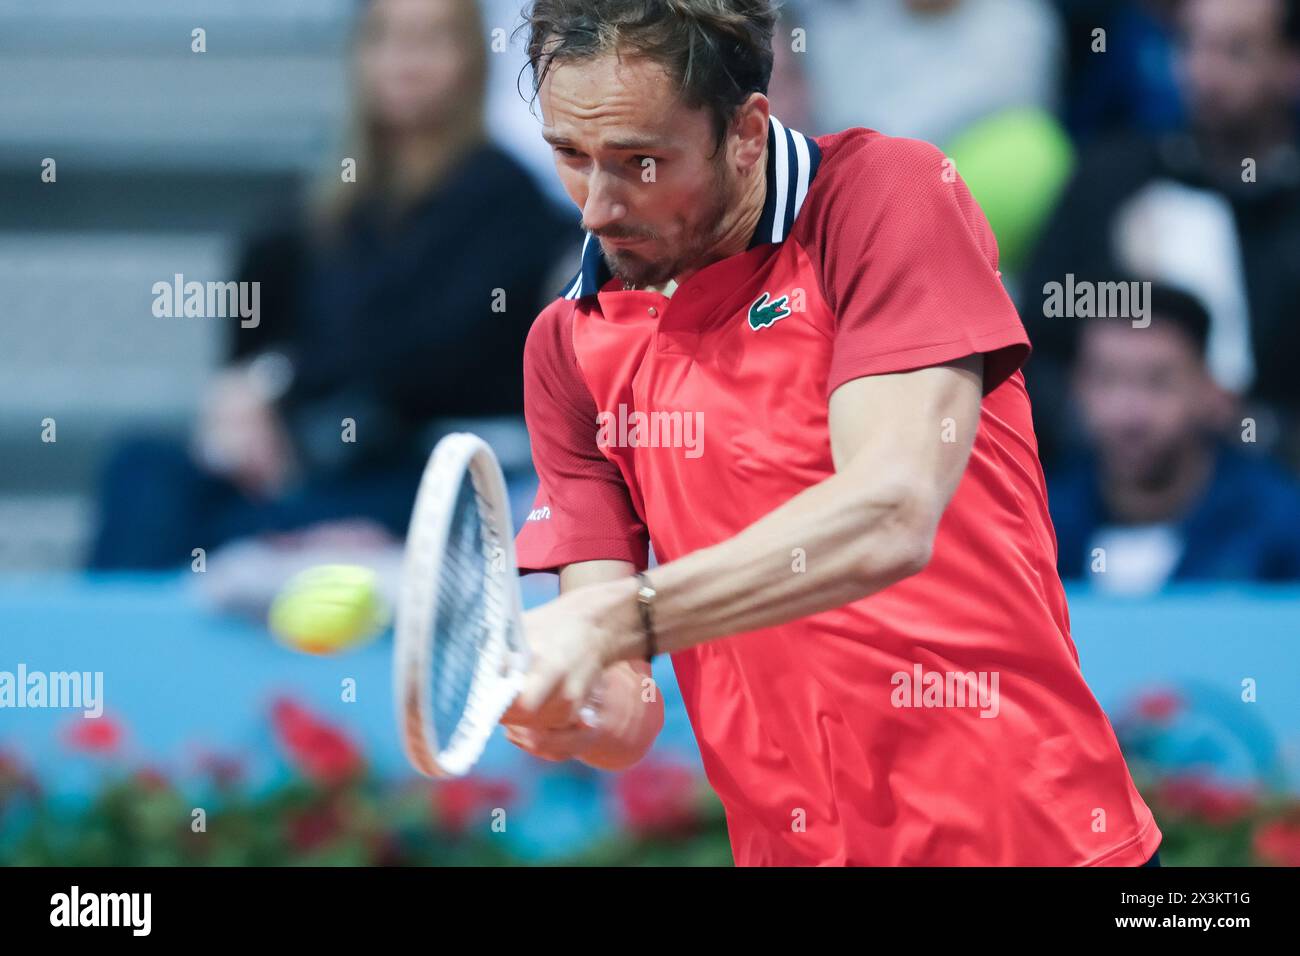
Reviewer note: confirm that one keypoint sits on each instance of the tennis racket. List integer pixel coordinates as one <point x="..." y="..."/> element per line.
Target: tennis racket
<point x="459" y="651"/>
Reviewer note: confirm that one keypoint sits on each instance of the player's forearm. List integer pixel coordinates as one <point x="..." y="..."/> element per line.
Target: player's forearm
<point x="840" y="540"/>
<point x="822" y="549"/>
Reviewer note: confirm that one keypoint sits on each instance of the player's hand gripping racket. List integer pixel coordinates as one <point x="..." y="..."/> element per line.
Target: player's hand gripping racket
<point x="459" y="651"/>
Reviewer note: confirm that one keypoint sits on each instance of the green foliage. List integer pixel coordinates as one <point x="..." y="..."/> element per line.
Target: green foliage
<point x="144" y="822"/>
<point x="134" y="823"/>
<point x="333" y="812"/>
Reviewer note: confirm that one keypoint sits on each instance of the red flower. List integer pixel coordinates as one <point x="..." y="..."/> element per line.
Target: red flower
<point x="95" y="735"/>
<point x="313" y="828"/>
<point x="151" y="779"/>
<point x="318" y="750"/>
<point x="1207" y="801"/>
<point x="1159" y="705"/>
<point x="10" y="768"/>
<point x="459" y="801"/>
<point x="15" y="778"/>
<point x="224" y="772"/>
<point x="658" y="799"/>
<point x="1278" y="841"/>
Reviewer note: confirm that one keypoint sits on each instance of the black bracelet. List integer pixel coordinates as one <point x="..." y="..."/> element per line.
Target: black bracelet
<point x="645" y="595"/>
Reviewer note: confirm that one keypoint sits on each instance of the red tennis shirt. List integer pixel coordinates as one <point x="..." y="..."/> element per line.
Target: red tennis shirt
<point x="941" y="721"/>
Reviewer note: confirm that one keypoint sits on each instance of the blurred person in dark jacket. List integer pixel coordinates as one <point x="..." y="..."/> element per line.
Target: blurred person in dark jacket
<point x="1213" y="208"/>
<point x="402" y="296"/>
<point x="1133" y="85"/>
<point x="1160" y="496"/>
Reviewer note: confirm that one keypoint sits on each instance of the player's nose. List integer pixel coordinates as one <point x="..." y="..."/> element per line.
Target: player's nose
<point x="603" y="208"/>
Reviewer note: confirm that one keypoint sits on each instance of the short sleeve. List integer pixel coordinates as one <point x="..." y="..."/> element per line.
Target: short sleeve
<point x="582" y="511"/>
<point x="909" y="266"/>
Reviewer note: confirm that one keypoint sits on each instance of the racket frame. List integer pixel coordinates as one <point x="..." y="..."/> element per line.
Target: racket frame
<point x="494" y="687"/>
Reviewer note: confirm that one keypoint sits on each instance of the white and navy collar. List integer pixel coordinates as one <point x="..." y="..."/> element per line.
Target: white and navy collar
<point x="792" y="162"/>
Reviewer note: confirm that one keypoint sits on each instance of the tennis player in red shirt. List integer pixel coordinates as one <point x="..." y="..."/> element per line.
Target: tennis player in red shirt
<point x="788" y="365"/>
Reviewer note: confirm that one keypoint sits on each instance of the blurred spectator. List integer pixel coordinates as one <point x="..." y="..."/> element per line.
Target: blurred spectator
<point x="398" y="299"/>
<point x="928" y="69"/>
<point x="1157" y="498"/>
<point x="1132" y="84"/>
<point x="1215" y="210"/>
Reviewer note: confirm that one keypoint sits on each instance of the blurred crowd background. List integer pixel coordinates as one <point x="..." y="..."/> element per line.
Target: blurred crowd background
<point x="1146" y="140"/>
<point x="376" y="168"/>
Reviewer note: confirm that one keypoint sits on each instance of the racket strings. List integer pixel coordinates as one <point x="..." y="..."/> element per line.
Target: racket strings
<point x="470" y="644"/>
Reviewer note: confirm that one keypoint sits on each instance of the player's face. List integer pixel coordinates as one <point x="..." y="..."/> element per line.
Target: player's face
<point x="1143" y="394"/>
<point x="643" y="169"/>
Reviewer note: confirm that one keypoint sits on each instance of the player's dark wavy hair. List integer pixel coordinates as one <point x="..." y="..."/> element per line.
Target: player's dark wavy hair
<point x="717" y="51"/>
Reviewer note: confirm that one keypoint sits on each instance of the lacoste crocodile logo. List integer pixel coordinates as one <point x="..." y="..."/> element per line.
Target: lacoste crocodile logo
<point x="764" y="312"/>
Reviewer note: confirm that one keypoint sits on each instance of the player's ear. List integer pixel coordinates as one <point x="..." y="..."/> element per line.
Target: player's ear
<point x="748" y="131"/>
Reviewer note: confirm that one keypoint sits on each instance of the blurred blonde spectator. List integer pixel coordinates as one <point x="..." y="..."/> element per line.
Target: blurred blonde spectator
<point x="402" y="296"/>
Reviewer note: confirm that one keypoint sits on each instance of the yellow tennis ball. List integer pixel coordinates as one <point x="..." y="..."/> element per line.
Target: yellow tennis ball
<point x="328" y="609"/>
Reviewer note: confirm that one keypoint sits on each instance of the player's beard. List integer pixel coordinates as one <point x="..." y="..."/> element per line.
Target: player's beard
<point x="694" y="248"/>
